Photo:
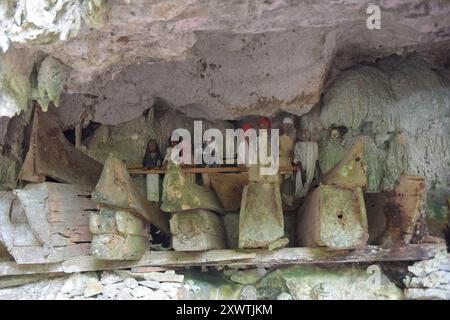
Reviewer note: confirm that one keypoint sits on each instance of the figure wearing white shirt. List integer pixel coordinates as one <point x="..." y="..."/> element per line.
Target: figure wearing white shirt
<point x="305" y="156"/>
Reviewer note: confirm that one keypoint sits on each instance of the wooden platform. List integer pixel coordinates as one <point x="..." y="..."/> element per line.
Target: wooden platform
<point x="257" y="257"/>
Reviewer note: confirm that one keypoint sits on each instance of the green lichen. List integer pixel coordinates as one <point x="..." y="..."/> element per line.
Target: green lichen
<point x="94" y="13"/>
<point x="14" y="84"/>
<point x="51" y="77"/>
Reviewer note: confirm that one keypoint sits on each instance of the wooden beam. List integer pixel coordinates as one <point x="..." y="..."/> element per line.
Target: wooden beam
<point x="139" y="170"/>
<point x="11" y="268"/>
<point x="259" y="257"/>
<point x="159" y="258"/>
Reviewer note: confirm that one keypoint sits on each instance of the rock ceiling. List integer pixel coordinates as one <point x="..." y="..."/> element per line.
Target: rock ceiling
<point x="212" y="59"/>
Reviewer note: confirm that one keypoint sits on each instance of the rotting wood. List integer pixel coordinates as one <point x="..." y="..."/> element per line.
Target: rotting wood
<point x="260" y="257"/>
<point x="50" y="154"/>
<point x="402" y="209"/>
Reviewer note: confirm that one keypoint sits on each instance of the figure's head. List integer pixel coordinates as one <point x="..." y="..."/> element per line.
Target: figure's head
<point x="264" y="123"/>
<point x="287" y="125"/>
<point x="336" y="132"/>
<point x="304" y="135"/>
<point x="173" y="143"/>
<point x="246" y="126"/>
<point x="152" y="145"/>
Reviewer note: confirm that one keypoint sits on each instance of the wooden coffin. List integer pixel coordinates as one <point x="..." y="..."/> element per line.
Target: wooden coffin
<point x="400" y="210"/>
<point x="46" y="222"/>
<point x="350" y="172"/>
<point x="197" y="230"/>
<point x="50" y="154"/>
<point x="116" y="189"/>
<point x="332" y="217"/>
<point x="181" y="194"/>
<point x="118" y="235"/>
<point x="229" y="188"/>
<point x="261" y="220"/>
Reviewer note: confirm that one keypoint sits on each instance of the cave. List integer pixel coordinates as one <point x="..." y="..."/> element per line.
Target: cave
<point x="359" y="211"/>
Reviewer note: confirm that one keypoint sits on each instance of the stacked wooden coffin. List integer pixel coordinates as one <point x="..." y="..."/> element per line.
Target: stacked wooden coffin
<point x="121" y="230"/>
<point x="196" y="223"/>
<point x="46" y="222"/>
<point x="334" y="214"/>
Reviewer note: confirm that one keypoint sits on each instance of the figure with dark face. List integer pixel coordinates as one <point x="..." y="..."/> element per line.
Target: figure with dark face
<point x="152" y="160"/>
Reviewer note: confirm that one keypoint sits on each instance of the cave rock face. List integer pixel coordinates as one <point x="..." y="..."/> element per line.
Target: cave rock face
<point x="401" y="109"/>
<point x="211" y="58"/>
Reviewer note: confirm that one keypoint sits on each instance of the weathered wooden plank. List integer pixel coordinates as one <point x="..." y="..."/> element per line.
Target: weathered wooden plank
<point x="158" y="258"/>
<point x="140" y="170"/>
<point x="41" y="254"/>
<point x="287" y="256"/>
<point x="260" y="257"/>
<point x="73" y="233"/>
<point x="17" y="213"/>
<point x="52" y="155"/>
<point x="57" y="213"/>
<point x="11" y="268"/>
<point x="402" y="210"/>
<point x="23" y="236"/>
<point x="18" y="280"/>
<point x="6" y="228"/>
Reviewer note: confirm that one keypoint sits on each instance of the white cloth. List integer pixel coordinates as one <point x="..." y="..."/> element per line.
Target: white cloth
<point x="306" y="153"/>
<point x="152" y="182"/>
<point x="247" y="153"/>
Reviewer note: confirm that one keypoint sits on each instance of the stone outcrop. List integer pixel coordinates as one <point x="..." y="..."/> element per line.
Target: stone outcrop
<point x="234" y="58"/>
<point x="429" y="279"/>
<point x="320" y="283"/>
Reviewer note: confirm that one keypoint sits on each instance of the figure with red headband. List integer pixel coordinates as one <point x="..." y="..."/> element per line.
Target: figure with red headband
<point x="264" y="123"/>
<point x="261" y="220"/>
<point x="246" y="149"/>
